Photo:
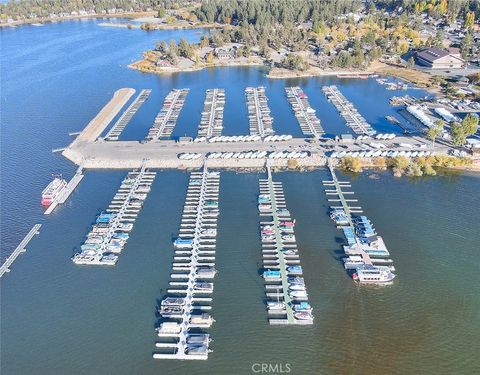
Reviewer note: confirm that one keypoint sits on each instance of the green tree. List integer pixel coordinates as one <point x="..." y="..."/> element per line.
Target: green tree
<point x="457" y="133"/>
<point x="161" y="12"/>
<point x="470" y="124"/>
<point x="435" y="131"/>
<point x="185" y="49"/>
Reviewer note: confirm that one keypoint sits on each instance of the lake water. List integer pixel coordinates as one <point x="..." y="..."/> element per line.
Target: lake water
<point x="58" y="318"/>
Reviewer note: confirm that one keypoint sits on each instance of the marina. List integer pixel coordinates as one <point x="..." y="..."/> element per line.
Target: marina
<point x="111" y="230"/>
<point x="126" y="116"/>
<point x="348" y="111"/>
<point x="366" y="255"/>
<point x="305" y="114"/>
<point x="166" y="119"/>
<point x="286" y="294"/>
<point x="21" y="248"/>
<point x="211" y="122"/>
<point x="259" y="118"/>
<point x="184" y="312"/>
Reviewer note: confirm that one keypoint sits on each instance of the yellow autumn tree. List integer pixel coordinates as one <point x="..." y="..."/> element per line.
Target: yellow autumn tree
<point x="469" y="20"/>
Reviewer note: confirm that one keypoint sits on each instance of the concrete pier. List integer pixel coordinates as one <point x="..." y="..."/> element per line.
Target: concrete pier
<point x="95" y="127"/>
<point x="19" y="249"/>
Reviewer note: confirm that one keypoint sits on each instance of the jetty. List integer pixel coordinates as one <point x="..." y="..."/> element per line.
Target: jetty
<point x="348" y="111"/>
<point x="96" y="127"/>
<point x="166" y="119"/>
<point x="111" y="230"/>
<point x="211" y="122"/>
<point x="126" y="116"/>
<point x="21" y="248"/>
<point x="185" y="310"/>
<point x="305" y="114"/>
<point x="71" y="186"/>
<point x="287" y="298"/>
<point x="366" y="252"/>
<point x="260" y="121"/>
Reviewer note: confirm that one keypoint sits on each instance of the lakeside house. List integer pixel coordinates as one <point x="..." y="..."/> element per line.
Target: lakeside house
<point x="437" y="58"/>
<point x="225" y="53"/>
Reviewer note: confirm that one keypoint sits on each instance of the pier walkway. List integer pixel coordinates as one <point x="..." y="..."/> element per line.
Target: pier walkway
<point x="183" y="311"/>
<point x="258" y="112"/>
<point x="21" y="248"/>
<point x="126" y="116"/>
<point x="166" y="119"/>
<point x="350" y="114"/>
<point x="287" y="299"/>
<point x="111" y="230"/>
<point x="305" y="114"/>
<point x="362" y="240"/>
<point x="211" y="123"/>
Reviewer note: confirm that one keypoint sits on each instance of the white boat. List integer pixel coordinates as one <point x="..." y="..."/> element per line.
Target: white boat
<point x="377" y="275"/>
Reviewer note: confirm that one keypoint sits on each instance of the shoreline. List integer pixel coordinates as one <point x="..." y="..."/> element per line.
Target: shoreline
<point x="130" y="15"/>
<point x="377" y="68"/>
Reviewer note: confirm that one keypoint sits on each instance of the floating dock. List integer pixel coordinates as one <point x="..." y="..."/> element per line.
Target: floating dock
<point x="260" y="121"/>
<point x="111" y="229"/>
<point x="348" y="111"/>
<point x="71" y="186"/>
<point x="21" y="248"/>
<point x="166" y="119"/>
<point x="185" y="310"/>
<point x="366" y="251"/>
<point x="211" y="123"/>
<point x="287" y="298"/>
<point x="305" y="114"/>
<point x="126" y="116"/>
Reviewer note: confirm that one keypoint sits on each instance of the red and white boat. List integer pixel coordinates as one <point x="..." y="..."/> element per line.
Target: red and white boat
<point x="53" y="190"/>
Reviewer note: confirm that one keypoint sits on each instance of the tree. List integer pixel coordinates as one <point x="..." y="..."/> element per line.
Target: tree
<point x="458" y="134"/>
<point x="466" y="45"/>
<point x="210" y="58"/>
<point x="161" y="46"/>
<point x="204" y="41"/>
<point x="185" y="49"/>
<point x="173" y="47"/>
<point x="435" y="131"/>
<point x="470" y="124"/>
<point x="411" y="62"/>
<point x="161" y="12"/>
<point x="469" y="20"/>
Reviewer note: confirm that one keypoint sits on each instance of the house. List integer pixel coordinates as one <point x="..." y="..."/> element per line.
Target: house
<point x="436" y="58"/>
<point x="225" y="53"/>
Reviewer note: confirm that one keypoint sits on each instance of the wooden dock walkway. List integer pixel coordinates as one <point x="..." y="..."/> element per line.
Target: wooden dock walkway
<point x="19" y="249"/>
